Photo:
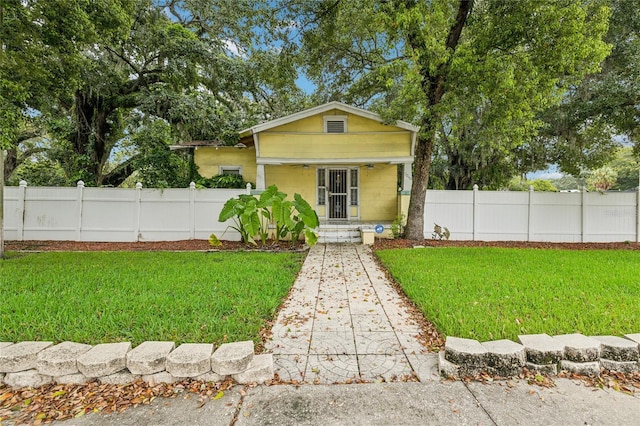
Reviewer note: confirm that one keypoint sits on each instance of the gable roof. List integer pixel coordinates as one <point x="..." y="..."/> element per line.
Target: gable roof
<point x="319" y="110"/>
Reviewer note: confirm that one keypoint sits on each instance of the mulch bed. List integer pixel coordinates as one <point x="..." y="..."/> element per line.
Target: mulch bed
<point x="380" y="244"/>
<point x="183" y="245"/>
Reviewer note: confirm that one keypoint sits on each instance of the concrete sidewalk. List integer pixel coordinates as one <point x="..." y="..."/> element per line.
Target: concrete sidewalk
<point x="428" y="403"/>
<point x="344" y="322"/>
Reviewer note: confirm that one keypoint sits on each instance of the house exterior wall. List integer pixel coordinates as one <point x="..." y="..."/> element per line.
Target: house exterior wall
<point x="378" y="193"/>
<point x="209" y="160"/>
<point x="292" y="179"/>
<point x="306" y="139"/>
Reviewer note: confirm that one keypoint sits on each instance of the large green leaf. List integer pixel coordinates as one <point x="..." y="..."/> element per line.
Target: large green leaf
<point x="229" y="210"/>
<point x="307" y="214"/>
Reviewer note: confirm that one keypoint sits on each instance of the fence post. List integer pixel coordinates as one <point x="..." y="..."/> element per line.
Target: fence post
<point x="137" y="208"/>
<point x="475" y="212"/>
<point x="192" y="210"/>
<point x="583" y="214"/>
<point x="22" y="193"/>
<point x="80" y="187"/>
<point x="638" y="215"/>
<point x="530" y="218"/>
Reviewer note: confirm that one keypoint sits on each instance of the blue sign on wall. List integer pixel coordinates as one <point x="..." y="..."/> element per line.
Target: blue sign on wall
<point x="379" y="229"/>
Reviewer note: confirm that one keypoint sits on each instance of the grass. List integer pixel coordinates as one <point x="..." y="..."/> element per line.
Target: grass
<point x="496" y="293"/>
<point x="99" y="297"/>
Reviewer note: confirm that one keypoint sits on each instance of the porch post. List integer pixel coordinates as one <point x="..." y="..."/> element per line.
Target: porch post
<point x="407" y="177"/>
<point x="260" y="181"/>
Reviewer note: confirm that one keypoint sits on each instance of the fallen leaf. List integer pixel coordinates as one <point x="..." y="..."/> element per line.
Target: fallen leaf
<point x="219" y="395"/>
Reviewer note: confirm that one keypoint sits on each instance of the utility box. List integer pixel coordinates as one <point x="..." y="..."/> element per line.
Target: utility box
<point x="368" y="236"/>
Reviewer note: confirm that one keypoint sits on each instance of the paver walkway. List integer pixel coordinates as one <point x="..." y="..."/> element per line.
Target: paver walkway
<point x="344" y="322"/>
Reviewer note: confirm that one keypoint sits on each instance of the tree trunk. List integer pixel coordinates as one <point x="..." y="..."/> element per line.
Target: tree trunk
<point x="89" y="139"/>
<point x="433" y="85"/>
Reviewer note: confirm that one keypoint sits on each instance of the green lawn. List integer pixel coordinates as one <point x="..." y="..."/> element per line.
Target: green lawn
<point x="98" y="297"/>
<point x="495" y="293"/>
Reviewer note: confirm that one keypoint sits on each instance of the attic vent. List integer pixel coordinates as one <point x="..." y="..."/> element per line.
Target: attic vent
<point x="335" y="124"/>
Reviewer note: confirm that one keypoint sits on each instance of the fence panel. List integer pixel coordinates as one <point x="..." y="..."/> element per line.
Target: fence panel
<point x="610" y="216"/>
<point x="556" y="217"/>
<point x="51" y="213"/>
<point x="12" y="213"/>
<point x="502" y="216"/>
<point x="208" y="204"/>
<point x="453" y="209"/>
<point x="109" y="214"/>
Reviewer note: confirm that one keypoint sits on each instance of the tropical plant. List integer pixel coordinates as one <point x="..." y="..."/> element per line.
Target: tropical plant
<point x="253" y="216"/>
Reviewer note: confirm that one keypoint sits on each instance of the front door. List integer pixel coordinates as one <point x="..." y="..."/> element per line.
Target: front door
<point x="338" y="192"/>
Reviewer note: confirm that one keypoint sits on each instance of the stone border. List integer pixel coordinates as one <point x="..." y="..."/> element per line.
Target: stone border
<point x="33" y="364"/>
<point x="541" y="353"/>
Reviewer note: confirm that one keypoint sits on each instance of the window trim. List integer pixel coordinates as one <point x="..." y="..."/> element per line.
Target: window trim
<point x="222" y="168"/>
<point x="327" y="118"/>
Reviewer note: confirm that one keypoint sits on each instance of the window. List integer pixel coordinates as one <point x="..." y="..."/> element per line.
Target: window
<point x="335" y="123"/>
<point x="230" y="170"/>
<point x="322" y="188"/>
<point x="353" y="183"/>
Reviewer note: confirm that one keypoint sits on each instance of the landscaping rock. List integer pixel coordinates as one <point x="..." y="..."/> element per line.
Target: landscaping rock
<point x="120" y="378"/>
<point x="542" y="349"/>
<point x="550" y="369"/>
<point x="27" y="379"/>
<point x="21" y="356"/>
<point x="584" y="368"/>
<point x="149" y="357"/>
<point x="465" y="352"/>
<point x="447" y="369"/>
<point x="634" y="337"/>
<point x="60" y="360"/>
<point x="620" y="366"/>
<point x="260" y="370"/>
<point x="232" y="358"/>
<point x="504" y="357"/>
<point x="104" y="359"/>
<point x="190" y="360"/>
<point x="161" y="377"/>
<point x="72" y="379"/>
<point x="579" y="348"/>
<point x="616" y="348"/>
<point x="211" y="377"/>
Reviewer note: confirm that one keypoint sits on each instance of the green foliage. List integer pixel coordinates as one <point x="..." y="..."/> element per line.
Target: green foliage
<point x="627" y="167"/>
<point x="397" y="226"/>
<point x="252" y="216"/>
<point x="229" y="181"/>
<point x="540" y="185"/>
<point x="137" y="296"/>
<point x="601" y="179"/>
<point x="584" y="131"/>
<point x="494" y="293"/>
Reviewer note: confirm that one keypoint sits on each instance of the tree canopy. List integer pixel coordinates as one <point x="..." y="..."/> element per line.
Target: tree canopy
<point x="99" y="75"/>
<point x="473" y="75"/>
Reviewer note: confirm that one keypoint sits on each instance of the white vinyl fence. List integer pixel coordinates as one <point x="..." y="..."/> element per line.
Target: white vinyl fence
<point x="535" y="216"/>
<point x="140" y="214"/>
<point x="115" y="214"/>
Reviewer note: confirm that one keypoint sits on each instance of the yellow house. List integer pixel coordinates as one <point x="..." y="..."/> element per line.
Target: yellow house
<point x="342" y="159"/>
